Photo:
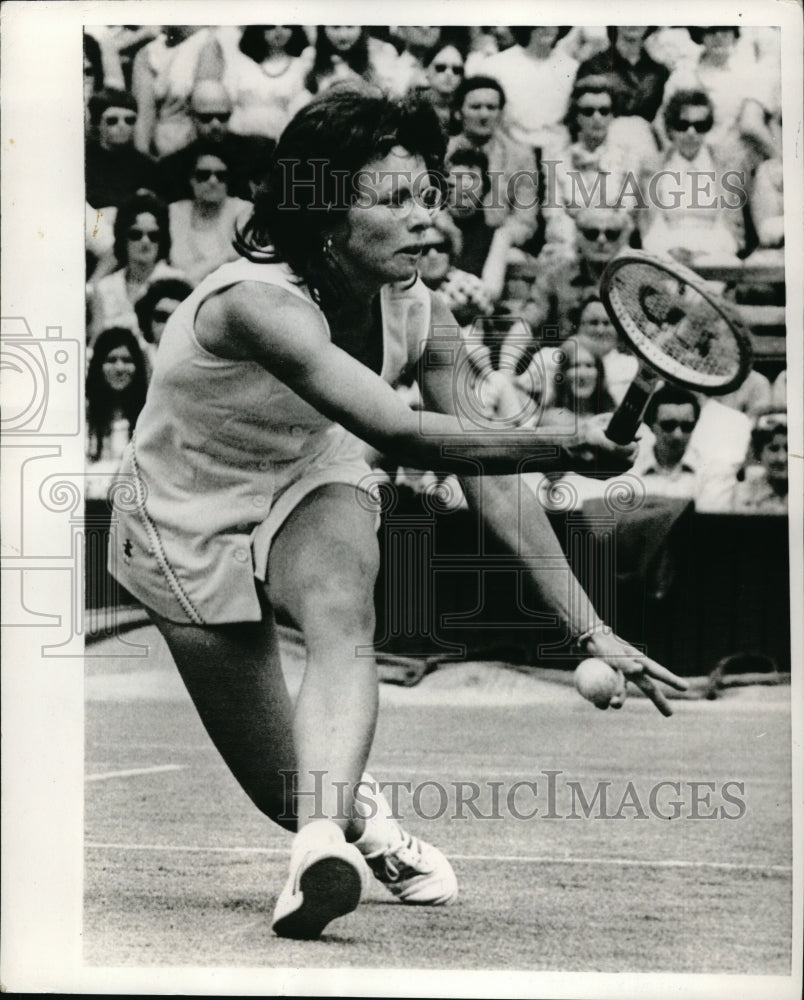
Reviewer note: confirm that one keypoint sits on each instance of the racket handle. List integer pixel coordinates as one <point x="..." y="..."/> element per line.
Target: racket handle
<point x="625" y="420"/>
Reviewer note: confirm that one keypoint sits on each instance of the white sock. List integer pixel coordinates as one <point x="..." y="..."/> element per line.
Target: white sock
<point x="380" y="830"/>
<point x="318" y="833"/>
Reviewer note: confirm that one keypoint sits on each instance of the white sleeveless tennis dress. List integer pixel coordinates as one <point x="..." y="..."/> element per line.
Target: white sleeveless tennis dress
<point x="223" y="452"/>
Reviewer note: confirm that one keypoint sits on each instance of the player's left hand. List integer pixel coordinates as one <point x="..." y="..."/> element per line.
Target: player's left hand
<point x="636" y="667"/>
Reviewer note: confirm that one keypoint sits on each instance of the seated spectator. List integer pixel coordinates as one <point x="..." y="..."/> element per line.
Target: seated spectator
<point x="512" y="167"/>
<point x="593" y="169"/>
<point x="348" y="53"/>
<point x="156" y="307"/>
<point x="596" y="333"/>
<point x="562" y="285"/>
<point x="468" y="179"/>
<point x="537" y="79"/>
<point x="163" y="75"/>
<point x="116" y="384"/>
<point x="579" y="386"/>
<point x="445" y="69"/>
<point x="202" y="228"/>
<point x="667" y="465"/>
<point x="418" y="44"/>
<point x="141" y="250"/>
<point x="694" y="222"/>
<point x="114" y="168"/>
<point x="481" y="249"/>
<point x="763" y="490"/>
<point x="637" y="80"/>
<point x="734" y="87"/>
<point x="266" y="79"/>
<point x="210" y="111"/>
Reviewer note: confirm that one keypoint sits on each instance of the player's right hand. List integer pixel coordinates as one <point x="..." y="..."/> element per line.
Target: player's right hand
<point x="598" y="456"/>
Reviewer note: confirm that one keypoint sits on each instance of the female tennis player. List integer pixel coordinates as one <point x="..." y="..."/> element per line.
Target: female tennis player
<point x="250" y="488"/>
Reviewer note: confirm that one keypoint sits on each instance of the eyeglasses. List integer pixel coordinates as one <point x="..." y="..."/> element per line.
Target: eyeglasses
<point x="207" y="117"/>
<point x="669" y="426"/>
<point x="771" y="421"/>
<point x="595" y="234"/>
<point x="152" y="235"/>
<point x="161" y="315"/>
<point x="206" y="175"/>
<point x="451" y="67"/>
<point x="401" y="203"/>
<point x="701" y="127"/>
<point x="588" y="112"/>
<point x="115" y="119"/>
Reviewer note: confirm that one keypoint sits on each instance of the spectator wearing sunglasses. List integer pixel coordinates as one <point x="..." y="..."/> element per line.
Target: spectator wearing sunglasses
<point x="563" y="284"/>
<point x="141" y="248"/>
<point x="668" y="465"/>
<point x="202" y="228"/>
<point x="163" y="75"/>
<point x="445" y="74"/>
<point x="115" y="169"/>
<point x="743" y="92"/>
<point x="689" y="215"/>
<point x="763" y="488"/>
<point x="211" y="113"/>
<point x="637" y="80"/>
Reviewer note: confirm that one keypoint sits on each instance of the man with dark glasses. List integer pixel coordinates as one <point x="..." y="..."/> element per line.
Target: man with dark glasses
<point x="115" y="169"/>
<point x="210" y="111"/>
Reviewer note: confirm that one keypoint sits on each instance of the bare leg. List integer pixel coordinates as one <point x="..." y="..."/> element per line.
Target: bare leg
<point x="321" y="570"/>
<point x="233" y="675"/>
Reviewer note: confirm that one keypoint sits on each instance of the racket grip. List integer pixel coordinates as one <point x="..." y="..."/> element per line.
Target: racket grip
<point x="625" y="420"/>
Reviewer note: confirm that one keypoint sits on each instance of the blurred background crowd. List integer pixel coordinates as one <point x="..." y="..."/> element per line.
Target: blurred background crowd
<point x="565" y="145"/>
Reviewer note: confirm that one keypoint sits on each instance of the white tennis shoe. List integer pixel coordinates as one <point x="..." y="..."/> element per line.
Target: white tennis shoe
<point x="414" y="872"/>
<point x="324" y="883"/>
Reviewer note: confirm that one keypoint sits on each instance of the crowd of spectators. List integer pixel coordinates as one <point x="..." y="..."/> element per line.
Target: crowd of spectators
<point x="565" y="145"/>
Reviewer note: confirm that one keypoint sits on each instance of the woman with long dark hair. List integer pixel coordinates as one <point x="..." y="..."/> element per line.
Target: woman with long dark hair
<point x="253" y="495"/>
<point x="116" y="383"/>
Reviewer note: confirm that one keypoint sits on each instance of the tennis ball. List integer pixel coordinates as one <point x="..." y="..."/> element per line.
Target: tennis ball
<point x="599" y="683"/>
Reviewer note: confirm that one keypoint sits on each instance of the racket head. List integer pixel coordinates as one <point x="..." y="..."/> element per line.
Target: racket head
<point x="675" y="324"/>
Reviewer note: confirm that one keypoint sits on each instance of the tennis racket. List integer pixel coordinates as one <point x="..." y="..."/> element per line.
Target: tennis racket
<point x="679" y="331"/>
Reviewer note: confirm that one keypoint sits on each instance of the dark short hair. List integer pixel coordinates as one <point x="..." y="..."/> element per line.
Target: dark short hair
<point x="682" y="99"/>
<point x="670" y="395"/>
<point x="137" y="204"/>
<point x="522" y="35"/>
<point x="107" y="98"/>
<point x="602" y="84"/>
<point x="430" y="55"/>
<point x="309" y="186"/>
<point x="253" y="44"/>
<point x="471" y="83"/>
<point x="766" y="428"/>
<point x="465" y="155"/>
<point x="163" y="288"/>
<point x="697" y="31"/>
<point x="207" y="148"/>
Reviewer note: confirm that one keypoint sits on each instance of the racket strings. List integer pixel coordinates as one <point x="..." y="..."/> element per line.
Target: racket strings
<point x="674" y="325"/>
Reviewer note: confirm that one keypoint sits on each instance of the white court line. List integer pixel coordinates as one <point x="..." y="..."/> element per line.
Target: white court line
<point x="134" y="771"/>
<point x="519" y="858"/>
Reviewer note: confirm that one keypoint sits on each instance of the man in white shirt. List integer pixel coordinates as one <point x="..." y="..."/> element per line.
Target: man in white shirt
<point x="668" y="467"/>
